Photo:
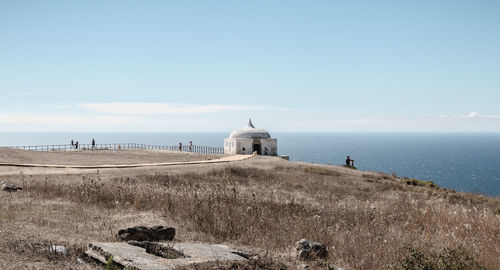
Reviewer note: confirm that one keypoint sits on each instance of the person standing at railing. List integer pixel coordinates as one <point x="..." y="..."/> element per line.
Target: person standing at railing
<point x="180" y="146"/>
<point x="76" y="145"/>
<point x="93" y="144"/>
<point x="72" y="142"/>
<point x="190" y="146"/>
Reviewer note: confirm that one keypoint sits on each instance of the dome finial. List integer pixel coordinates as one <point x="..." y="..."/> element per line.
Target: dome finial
<point x="250" y="123"/>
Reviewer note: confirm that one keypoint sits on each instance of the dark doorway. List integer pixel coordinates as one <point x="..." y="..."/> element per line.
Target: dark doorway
<point x="256" y="147"/>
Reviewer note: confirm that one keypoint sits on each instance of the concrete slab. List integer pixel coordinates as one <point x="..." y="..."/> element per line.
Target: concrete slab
<point x="136" y="257"/>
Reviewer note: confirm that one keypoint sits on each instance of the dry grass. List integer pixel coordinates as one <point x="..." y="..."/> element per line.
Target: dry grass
<point x="367" y="220"/>
<point x="98" y="157"/>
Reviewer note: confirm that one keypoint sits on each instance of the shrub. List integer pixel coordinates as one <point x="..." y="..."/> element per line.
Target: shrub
<point x="420" y="183"/>
<point x="111" y="265"/>
<point x="448" y="259"/>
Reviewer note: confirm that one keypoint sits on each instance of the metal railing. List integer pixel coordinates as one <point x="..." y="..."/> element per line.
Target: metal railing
<point x="121" y="146"/>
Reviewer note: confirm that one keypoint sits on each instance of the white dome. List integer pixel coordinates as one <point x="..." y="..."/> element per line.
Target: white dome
<point x="250" y="132"/>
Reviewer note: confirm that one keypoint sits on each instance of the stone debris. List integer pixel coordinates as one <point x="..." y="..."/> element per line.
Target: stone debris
<point x="143" y="233"/>
<point x="133" y="255"/>
<point x="158" y="249"/>
<point x="9" y="187"/>
<point x="57" y="250"/>
<point x="309" y="250"/>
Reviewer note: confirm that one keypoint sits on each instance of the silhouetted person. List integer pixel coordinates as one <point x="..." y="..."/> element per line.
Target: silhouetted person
<point x="349" y="162"/>
<point x="180" y="146"/>
<point x="72" y="143"/>
<point x="76" y="145"/>
<point x="191" y="146"/>
<point x="93" y="143"/>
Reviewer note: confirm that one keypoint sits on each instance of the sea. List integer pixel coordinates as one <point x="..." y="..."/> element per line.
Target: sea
<point x="468" y="162"/>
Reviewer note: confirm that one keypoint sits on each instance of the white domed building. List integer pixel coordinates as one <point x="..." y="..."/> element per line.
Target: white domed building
<point x="247" y="140"/>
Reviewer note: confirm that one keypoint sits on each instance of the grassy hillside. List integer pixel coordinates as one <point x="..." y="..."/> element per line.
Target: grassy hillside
<point x="263" y="205"/>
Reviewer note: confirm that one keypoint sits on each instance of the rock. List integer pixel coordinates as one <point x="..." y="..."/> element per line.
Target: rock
<point x="143" y="233"/>
<point x="308" y="250"/>
<point x="334" y="267"/>
<point x="9" y="187"/>
<point x="57" y="250"/>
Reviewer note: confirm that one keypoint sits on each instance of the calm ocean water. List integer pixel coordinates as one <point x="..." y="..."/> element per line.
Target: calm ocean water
<point x="461" y="161"/>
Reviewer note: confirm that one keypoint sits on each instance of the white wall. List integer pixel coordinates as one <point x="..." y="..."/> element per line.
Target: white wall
<point x="271" y="145"/>
<point x="244" y="143"/>
<point x="229" y="146"/>
<point x="235" y="146"/>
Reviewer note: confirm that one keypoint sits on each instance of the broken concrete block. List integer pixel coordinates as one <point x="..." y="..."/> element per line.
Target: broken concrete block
<point x="158" y="249"/>
<point x="136" y="257"/>
<point x="143" y="233"/>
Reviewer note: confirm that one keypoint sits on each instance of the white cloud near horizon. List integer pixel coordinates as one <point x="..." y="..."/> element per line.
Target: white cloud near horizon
<point x="138" y="108"/>
<point x="71" y="120"/>
<point x="37" y="118"/>
<point x="472" y="115"/>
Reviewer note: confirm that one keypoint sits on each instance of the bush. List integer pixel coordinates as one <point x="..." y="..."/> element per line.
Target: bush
<point x="448" y="259"/>
<point x="111" y="265"/>
<point x="420" y="183"/>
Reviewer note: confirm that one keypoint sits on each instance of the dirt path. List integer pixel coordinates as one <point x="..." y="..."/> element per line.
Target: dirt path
<point x="112" y="166"/>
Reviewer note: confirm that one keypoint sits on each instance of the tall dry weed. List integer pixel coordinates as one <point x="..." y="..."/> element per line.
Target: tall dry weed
<point x="363" y="223"/>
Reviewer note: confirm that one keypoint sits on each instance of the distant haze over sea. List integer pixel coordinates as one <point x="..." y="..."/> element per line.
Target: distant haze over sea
<point x="462" y="161"/>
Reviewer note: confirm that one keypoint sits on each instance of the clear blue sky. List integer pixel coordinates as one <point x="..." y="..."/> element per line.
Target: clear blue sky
<point x="209" y="65"/>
